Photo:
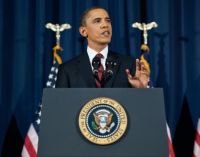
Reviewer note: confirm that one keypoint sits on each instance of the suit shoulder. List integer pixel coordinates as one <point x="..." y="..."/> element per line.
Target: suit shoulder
<point x="122" y="57"/>
<point x="71" y="62"/>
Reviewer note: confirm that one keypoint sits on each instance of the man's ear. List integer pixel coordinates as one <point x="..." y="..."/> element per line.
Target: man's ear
<point x="83" y="31"/>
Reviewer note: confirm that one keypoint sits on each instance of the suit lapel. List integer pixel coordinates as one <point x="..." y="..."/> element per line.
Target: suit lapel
<point x="85" y="70"/>
<point x="117" y="63"/>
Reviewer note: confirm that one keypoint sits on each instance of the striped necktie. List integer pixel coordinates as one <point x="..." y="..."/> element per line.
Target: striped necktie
<point x="100" y="72"/>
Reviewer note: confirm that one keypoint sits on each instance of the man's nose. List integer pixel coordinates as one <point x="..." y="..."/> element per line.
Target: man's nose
<point x="104" y="24"/>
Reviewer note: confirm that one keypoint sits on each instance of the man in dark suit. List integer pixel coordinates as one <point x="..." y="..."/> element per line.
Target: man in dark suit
<point x="100" y="67"/>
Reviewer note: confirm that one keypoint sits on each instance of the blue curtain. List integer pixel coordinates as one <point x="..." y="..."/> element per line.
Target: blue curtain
<point x="26" y="51"/>
<point x="175" y="55"/>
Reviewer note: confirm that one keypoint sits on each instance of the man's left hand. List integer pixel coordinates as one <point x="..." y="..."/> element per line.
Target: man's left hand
<point x="141" y="77"/>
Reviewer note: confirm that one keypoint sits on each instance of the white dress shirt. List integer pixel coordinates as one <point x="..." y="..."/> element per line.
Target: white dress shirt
<point x="92" y="53"/>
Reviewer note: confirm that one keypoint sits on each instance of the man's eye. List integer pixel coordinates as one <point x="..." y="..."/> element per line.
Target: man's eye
<point x="108" y="20"/>
<point x="97" y="20"/>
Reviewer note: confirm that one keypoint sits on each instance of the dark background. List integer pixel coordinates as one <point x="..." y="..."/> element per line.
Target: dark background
<point x="26" y="58"/>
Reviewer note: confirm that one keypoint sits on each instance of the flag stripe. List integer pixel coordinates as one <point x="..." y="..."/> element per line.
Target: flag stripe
<point x="170" y="145"/>
<point x="33" y="136"/>
<point x="30" y="148"/>
<point x="196" y="152"/>
<point x="25" y="152"/>
<point x="31" y="143"/>
<point x="171" y="150"/>
<point x="198" y="138"/>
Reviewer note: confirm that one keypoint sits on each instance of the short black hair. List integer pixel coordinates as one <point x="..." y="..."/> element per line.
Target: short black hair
<point x="85" y="13"/>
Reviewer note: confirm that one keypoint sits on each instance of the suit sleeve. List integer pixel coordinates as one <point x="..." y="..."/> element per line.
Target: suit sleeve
<point x="62" y="81"/>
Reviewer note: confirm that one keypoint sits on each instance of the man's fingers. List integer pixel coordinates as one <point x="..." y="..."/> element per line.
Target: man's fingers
<point x="143" y="68"/>
<point x="128" y="74"/>
<point x="127" y="71"/>
<point x="137" y="64"/>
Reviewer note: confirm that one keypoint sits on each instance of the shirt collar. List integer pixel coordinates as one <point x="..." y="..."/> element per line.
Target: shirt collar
<point x="92" y="53"/>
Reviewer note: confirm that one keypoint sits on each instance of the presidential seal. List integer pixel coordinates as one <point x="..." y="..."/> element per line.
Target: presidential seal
<point x="102" y="121"/>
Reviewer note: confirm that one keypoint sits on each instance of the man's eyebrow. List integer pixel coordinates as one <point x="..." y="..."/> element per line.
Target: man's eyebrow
<point x="99" y="18"/>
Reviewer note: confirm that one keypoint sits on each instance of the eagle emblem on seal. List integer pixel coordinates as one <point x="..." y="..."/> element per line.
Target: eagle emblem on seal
<point x="102" y="121"/>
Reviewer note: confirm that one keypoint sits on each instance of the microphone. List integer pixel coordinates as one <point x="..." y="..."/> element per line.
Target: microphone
<point x="110" y="63"/>
<point x="96" y="62"/>
<point x="109" y="66"/>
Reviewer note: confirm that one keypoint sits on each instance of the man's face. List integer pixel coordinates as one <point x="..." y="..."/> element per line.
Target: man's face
<point x="97" y="29"/>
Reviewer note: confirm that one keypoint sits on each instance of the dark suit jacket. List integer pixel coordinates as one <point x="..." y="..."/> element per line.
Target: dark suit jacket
<point x="77" y="73"/>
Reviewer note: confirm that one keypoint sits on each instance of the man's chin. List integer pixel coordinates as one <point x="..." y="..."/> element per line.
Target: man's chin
<point x="103" y="42"/>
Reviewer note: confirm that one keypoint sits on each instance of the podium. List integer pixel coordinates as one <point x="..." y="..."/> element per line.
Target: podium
<point x="145" y="135"/>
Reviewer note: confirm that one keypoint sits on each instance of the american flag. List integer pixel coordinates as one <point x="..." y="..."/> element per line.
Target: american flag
<point x="170" y="145"/>
<point x="31" y="140"/>
<point x="197" y="141"/>
<point x="146" y="58"/>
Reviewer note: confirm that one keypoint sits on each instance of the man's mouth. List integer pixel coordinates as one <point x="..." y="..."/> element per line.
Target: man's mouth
<point x="105" y="33"/>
